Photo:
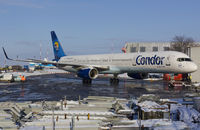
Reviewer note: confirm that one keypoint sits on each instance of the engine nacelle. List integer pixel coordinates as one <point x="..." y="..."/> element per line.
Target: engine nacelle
<point x="138" y="75"/>
<point x="88" y="73"/>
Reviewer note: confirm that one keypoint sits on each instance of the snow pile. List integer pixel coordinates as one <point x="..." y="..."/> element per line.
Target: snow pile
<point x="188" y="115"/>
<point x="175" y="125"/>
<point x="148" y="97"/>
<point x="149" y="106"/>
<point x="165" y="100"/>
<point x="196" y="84"/>
<point x="174" y="107"/>
<point x="155" y="124"/>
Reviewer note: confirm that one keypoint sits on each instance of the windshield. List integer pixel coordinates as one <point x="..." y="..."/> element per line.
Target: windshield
<point x="183" y="59"/>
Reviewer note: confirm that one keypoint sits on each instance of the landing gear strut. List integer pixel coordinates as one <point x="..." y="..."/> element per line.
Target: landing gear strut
<point x="87" y="81"/>
<point x="114" y="80"/>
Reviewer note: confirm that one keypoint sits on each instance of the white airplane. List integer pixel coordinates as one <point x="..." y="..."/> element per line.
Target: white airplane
<point x="136" y="65"/>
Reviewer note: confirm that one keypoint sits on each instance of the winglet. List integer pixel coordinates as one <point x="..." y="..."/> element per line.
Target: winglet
<point x="5" y="54"/>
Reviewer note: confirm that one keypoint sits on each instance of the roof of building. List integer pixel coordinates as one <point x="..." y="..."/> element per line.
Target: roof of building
<point x="148" y="106"/>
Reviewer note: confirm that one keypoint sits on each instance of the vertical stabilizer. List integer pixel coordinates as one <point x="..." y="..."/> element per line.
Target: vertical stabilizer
<point x="57" y="48"/>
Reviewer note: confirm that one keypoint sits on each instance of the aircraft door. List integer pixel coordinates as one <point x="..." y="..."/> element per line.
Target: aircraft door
<point x="134" y="61"/>
<point x="168" y="62"/>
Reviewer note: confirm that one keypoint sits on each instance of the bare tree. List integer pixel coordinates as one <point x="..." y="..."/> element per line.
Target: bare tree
<point x="180" y="43"/>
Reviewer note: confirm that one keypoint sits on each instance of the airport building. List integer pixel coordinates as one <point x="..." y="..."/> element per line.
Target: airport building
<point x="131" y="47"/>
<point x="193" y="52"/>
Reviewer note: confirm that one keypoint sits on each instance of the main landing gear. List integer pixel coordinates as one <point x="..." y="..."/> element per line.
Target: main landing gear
<point x="114" y="80"/>
<point x="87" y="81"/>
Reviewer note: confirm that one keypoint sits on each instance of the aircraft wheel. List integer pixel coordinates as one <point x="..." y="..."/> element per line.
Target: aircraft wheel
<point x="114" y="81"/>
<point x="111" y="80"/>
<point x="87" y="81"/>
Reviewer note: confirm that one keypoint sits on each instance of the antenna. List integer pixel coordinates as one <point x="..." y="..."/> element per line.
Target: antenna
<point x="112" y="47"/>
<point x="40" y="51"/>
<point x="47" y="53"/>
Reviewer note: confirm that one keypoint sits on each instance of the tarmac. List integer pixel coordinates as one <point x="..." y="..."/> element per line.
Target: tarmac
<point x="62" y="101"/>
<point x="53" y="87"/>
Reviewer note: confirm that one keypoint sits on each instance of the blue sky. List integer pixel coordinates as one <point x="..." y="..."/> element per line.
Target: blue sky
<point x="92" y="26"/>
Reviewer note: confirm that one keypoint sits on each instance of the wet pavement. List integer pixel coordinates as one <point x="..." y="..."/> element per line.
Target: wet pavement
<point x="56" y="86"/>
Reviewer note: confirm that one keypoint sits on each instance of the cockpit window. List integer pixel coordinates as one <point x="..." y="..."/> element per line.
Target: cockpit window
<point x="183" y="59"/>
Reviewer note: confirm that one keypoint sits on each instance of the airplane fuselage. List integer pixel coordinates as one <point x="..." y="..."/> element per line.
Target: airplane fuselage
<point x="146" y="62"/>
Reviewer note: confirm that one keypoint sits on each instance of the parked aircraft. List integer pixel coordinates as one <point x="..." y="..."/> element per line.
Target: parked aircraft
<point x="136" y="65"/>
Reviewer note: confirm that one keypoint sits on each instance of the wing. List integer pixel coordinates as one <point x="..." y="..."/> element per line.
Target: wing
<point x="58" y="64"/>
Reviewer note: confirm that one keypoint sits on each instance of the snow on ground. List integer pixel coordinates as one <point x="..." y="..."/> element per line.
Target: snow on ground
<point x="190" y="116"/>
<point x="158" y="124"/>
<point x="187" y="115"/>
<point x="41" y="72"/>
<point x="175" y="125"/>
<point x="196" y="84"/>
<point x="79" y="112"/>
<point x="174" y="107"/>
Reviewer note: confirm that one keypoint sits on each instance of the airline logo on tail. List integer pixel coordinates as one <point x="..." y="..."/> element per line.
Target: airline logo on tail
<point x="57" y="48"/>
<point x="56" y="45"/>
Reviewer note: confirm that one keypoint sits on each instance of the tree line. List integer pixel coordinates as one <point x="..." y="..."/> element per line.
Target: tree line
<point x="181" y="43"/>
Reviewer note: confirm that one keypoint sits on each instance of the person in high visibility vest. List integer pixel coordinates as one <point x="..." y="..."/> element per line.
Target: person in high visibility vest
<point x="23" y="78"/>
<point x="190" y="78"/>
<point x="88" y="116"/>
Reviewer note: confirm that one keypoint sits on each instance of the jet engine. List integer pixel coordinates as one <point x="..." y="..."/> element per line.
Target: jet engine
<point x="88" y="73"/>
<point x="138" y="75"/>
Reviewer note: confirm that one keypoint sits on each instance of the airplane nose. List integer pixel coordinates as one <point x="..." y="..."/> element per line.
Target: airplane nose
<point x="194" y="67"/>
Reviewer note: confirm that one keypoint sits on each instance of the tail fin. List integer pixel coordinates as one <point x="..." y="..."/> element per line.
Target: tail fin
<point x="57" y="48"/>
